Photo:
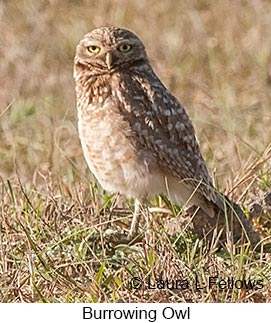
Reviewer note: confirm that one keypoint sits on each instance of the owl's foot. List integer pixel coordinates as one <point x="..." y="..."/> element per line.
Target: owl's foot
<point x="115" y="238"/>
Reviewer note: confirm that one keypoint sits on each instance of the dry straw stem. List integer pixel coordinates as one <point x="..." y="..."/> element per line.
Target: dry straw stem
<point x="250" y="172"/>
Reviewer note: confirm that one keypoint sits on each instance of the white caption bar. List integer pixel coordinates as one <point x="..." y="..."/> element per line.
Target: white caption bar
<point x="124" y="312"/>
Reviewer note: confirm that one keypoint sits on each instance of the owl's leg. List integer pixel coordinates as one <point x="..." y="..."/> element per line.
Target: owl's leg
<point x="135" y="221"/>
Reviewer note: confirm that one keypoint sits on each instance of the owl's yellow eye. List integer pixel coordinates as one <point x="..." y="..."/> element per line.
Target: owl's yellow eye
<point x="125" y="48"/>
<point x="94" y="49"/>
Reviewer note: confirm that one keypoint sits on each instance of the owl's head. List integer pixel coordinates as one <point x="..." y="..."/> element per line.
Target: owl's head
<point x="107" y="49"/>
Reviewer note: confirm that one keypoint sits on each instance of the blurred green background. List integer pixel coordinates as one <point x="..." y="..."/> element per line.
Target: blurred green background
<point x="215" y="56"/>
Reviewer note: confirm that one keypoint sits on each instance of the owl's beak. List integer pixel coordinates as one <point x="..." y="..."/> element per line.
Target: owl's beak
<point x="108" y="60"/>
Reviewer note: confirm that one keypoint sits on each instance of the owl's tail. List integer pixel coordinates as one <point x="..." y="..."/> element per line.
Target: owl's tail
<point x="240" y="223"/>
<point x="229" y="222"/>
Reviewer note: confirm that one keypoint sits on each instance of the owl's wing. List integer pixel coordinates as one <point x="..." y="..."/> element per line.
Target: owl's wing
<point x="168" y="132"/>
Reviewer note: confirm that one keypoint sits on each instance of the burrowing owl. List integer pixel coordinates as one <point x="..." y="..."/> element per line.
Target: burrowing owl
<point x="136" y="136"/>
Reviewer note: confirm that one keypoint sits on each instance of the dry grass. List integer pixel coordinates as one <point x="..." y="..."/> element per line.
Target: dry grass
<point x="216" y="57"/>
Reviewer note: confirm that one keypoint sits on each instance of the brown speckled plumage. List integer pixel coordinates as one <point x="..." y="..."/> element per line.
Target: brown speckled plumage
<point x="136" y="136"/>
